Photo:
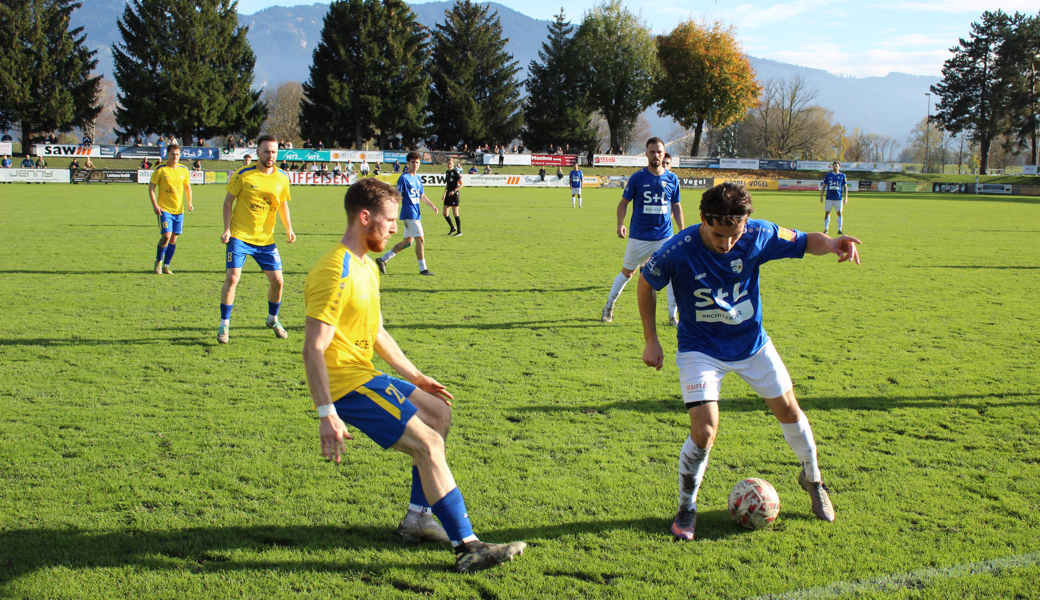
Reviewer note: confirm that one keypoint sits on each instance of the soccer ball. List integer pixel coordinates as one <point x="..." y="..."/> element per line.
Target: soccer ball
<point x="753" y="503"/>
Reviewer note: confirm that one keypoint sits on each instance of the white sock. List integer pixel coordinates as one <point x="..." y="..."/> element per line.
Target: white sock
<point x="839" y="223"/>
<point x="615" y="290"/>
<point x="572" y="201"/>
<point x="422" y="264"/>
<point x="693" y="462"/>
<point x="579" y="200"/>
<point x="389" y="254"/>
<point x="673" y="311"/>
<point x="800" y="438"/>
<point x="225" y="322"/>
<point x="826" y="222"/>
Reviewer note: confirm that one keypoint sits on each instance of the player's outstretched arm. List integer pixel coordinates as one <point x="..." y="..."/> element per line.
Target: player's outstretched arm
<point x="622" y="209"/>
<point x="819" y="244"/>
<point x="332" y="431"/>
<point x="653" y="355"/>
<point x="283" y="210"/>
<point x="388" y="350"/>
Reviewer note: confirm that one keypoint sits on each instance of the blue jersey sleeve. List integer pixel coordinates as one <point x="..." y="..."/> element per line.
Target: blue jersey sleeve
<point x="659" y="270"/>
<point x="630" y="189"/>
<point x="779" y="242"/>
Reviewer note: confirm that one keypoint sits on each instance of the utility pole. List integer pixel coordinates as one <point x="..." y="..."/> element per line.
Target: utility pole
<point x="927" y="133"/>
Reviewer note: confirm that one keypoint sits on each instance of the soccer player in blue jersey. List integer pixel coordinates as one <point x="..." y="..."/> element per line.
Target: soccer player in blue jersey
<point x="169" y="189"/>
<point x="714" y="268"/>
<point x="344" y="328"/>
<point x="654" y="194"/>
<point x="577" y="180"/>
<point x="255" y="194"/>
<point x="836" y="189"/>
<point x="411" y="189"/>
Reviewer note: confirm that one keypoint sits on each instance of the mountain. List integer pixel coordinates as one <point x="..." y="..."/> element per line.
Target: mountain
<point x="283" y="39"/>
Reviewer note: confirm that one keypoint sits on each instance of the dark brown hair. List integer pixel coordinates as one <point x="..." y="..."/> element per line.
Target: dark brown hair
<point x="726" y="204"/>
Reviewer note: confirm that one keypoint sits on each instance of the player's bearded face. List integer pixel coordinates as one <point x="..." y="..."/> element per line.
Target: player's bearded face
<point x="655" y="155"/>
<point x="266" y="154"/>
<point x="381" y="226"/>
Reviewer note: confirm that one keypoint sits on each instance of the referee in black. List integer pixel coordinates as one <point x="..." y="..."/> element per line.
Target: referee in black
<point x="452" y="185"/>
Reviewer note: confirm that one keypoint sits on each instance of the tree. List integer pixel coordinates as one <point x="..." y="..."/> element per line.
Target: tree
<point x="706" y="78"/>
<point x="475" y="98"/>
<point x="555" y="112"/>
<point x="971" y="92"/>
<point x="1018" y="68"/>
<point x="927" y="136"/>
<point x="45" y="67"/>
<point x="283" y="111"/>
<point x="368" y="74"/>
<point x="786" y="124"/>
<point x="619" y="57"/>
<point x="185" y="67"/>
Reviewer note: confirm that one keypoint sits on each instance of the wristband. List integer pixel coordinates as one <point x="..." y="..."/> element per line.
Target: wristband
<point x="326" y="410"/>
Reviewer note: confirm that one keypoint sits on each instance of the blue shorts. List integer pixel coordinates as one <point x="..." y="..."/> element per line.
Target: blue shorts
<point x="265" y="256"/>
<point x="380" y="409"/>
<point x="170" y="223"/>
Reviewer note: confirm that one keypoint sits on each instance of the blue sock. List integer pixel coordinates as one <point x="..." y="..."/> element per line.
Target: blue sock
<point x="451" y="512"/>
<point x="159" y="251"/>
<point x="272" y="308"/>
<point x="169" y="253"/>
<point x="225" y="311"/>
<point x="418" y="501"/>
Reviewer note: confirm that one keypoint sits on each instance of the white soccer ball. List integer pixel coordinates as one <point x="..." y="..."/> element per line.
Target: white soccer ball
<point x="753" y="503"/>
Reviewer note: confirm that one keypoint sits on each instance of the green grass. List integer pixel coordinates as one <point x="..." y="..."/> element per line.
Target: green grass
<point x="142" y="459"/>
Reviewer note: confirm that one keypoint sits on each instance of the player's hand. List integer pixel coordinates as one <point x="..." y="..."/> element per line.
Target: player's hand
<point x="191" y="207"/>
<point x="653" y="355"/>
<point x="226" y="236"/>
<point x="621" y="231"/>
<point x="333" y="432"/>
<point x="821" y="199"/>
<point x="433" y="387"/>
<point x="157" y="210"/>
<point x="435" y="211"/>
<point x="291" y="235"/>
<point x="845" y="248"/>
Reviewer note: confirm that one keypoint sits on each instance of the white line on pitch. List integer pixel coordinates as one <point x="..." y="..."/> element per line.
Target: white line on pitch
<point x="915" y="579"/>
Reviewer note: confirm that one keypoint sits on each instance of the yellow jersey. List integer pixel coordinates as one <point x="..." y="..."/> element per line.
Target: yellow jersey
<point x="343" y="291"/>
<point x="170" y="184"/>
<point x="259" y="197"/>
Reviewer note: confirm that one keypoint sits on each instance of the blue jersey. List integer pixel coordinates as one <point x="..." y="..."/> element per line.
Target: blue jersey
<point x="411" y="189"/>
<point x="577" y="177"/>
<point x="652" y="197"/>
<point x="833" y="183"/>
<point x="719" y="303"/>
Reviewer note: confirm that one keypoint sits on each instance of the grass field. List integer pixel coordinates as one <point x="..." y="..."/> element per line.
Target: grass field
<point x="142" y="459"/>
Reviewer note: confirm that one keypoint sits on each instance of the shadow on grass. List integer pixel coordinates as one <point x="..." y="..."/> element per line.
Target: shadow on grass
<point x="967" y="267"/>
<point x="208" y="549"/>
<point x="142" y="271"/>
<point x="394" y="290"/>
<point x="673" y="404"/>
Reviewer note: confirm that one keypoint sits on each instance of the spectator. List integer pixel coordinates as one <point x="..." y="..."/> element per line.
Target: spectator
<point x="324" y="170"/>
<point x="74" y="165"/>
<point x="160" y="142"/>
<point x="375" y="170"/>
<point x="5" y="163"/>
<point x="87" y="140"/>
<point x="315" y="168"/>
<point x="336" y="172"/>
<point x="145" y="165"/>
<point x="230" y="143"/>
<point x="364" y="167"/>
<point x="541" y="173"/>
<point x="6" y="137"/>
<point x="321" y="145"/>
<point x="559" y="173"/>
<point x="397" y="166"/>
<point x="196" y="166"/>
<point x="284" y="166"/>
<point x="87" y="164"/>
<point x="501" y="157"/>
<point x="40" y="163"/>
<point x="138" y="141"/>
<point x="487" y="169"/>
<point x="293" y="167"/>
<point x="198" y="143"/>
<point x="307" y="143"/>
<point x="27" y="162"/>
<point x="473" y="170"/>
<point x="247" y="160"/>
<point x="520" y="148"/>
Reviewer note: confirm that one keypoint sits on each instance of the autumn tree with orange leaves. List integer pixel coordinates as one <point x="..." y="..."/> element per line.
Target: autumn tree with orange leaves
<point x="706" y="78"/>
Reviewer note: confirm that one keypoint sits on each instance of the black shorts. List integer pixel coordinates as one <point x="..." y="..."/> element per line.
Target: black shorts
<point x="451" y="199"/>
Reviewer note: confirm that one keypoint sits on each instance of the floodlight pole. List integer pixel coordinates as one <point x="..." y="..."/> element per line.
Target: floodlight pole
<point x="926" y="132"/>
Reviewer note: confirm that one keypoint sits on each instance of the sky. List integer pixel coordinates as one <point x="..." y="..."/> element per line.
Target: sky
<point x="868" y="38"/>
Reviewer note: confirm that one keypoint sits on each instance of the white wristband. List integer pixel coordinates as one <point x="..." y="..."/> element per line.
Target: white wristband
<point x="326" y="410"/>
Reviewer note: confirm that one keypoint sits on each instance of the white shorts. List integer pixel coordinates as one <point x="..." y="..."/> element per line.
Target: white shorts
<point x="412" y="228"/>
<point x="830" y="205"/>
<point x="638" y="252"/>
<point x="700" y="375"/>
<point x="575" y="191"/>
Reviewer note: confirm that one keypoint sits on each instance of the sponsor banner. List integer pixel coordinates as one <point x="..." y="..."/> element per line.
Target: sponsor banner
<point x="216" y="177"/>
<point x="877" y="186"/>
<point x="549" y="181"/>
<point x="554" y="160"/>
<point x="316" y="178"/>
<point x="613" y="182"/>
<point x="992" y="188"/>
<point x="799" y="185"/>
<point x="689" y="162"/>
<point x="751" y="184"/>
<point x="950" y="188"/>
<point x="912" y="186"/>
<point x="6" y="149"/>
<point x="508" y="159"/>
<point x="1025" y="190"/>
<point x="304" y="154"/>
<point x="115" y="176"/>
<point x="590" y="181"/>
<point x="195" y="153"/>
<point x="777" y="165"/>
<point x="619" y="160"/>
<point x="874" y="167"/>
<point x="35" y="175"/>
<point x="237" y="154"/>
<point x="67" y="150"/>
<point x="738" y="163"/>
<point x="390" y="157"/>
<point x="372" y="156"/>
<point x="696" y="183"/>
<point x="1026" y="170"/>
<point x="490" y="180"/>
<point x="813" y="165"/>
<point x="138" y="152"/>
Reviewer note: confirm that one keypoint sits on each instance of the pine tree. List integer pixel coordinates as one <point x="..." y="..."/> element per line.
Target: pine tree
<point x="1018" y="67"/>
<point x="45" y="81"/>
<point x="475" y="98"/>
<point x="368" y="75"/>
<point x="555" y="111"/>
<point x="971" y="93"/>
<point x="185" y="67"/>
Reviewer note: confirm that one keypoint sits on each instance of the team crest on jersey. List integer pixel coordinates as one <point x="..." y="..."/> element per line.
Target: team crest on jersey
<point x="736" y="265"/>
<point x="651" y="266"/>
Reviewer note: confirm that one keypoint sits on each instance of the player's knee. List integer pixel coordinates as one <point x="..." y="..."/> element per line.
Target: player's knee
<point x="703" y="434"/>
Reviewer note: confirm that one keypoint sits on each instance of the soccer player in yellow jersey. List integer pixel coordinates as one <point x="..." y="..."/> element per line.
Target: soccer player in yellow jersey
<point x="344" y="328"/>
<point x="168" y="188"/>
<point x="254" y="194"/>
